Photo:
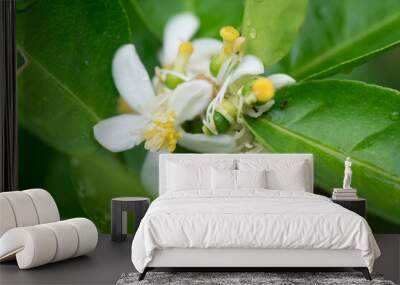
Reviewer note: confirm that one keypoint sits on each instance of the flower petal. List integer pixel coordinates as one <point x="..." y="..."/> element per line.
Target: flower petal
<point x="203" y="50"/>
<point x="280" y="80"/>
<point x="208" y="144"/>
<point x="190" y="99"/>
<point x="249" y="65"/>
<point x="149" y="172"/>
<point x="179" y="28"/>
<point x="121" y="132"/>
<point x="131" y="78"/>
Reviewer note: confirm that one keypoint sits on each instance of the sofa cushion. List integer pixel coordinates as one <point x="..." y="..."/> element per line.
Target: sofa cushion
<point x="40" y="244"/>
<point x="7" y="220"/>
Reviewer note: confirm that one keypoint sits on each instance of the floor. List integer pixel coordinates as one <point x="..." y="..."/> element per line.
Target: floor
<point x="110" y="260"/>
<point x="103" y="266"/>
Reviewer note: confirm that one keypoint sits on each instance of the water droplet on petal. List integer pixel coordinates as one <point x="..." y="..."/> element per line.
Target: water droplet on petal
<point x="253" y="33"/>
<point x="395" y="116"/>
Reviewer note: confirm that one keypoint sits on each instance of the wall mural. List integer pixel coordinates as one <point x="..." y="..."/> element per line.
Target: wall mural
<point x="105" y="86"/>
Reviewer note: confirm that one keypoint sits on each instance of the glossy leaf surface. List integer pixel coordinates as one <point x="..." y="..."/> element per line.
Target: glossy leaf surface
<point x="270" y="27"/>
<point x="65" y="87"/>
<point x="335" y="119"/>
<point x="339" y="35"/>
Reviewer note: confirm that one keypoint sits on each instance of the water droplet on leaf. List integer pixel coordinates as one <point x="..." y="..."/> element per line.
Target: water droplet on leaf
<point x="395" y="116"/>
<point x="253" y="33"/>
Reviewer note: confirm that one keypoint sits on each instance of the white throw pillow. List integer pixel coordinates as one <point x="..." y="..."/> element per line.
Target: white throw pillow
<point x="251" y="178"/>
<point x="288" y="178"/>
<point x="281" y="174"/>
<point x="181" y="178"/>
<point x="193" y="174"/>
<point x="223" y="179"/>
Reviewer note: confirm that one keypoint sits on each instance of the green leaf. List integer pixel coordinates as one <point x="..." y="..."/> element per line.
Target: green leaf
<point x="100" y="177"/>
<point x="147" y="45"/>
<point x="21" y="5"/>
<point x="66" y="85"/>
<point x="59" y="183"/>
<point x="270" y="27"/>
<point x="212" y="14"/>
<point x="334" y="119"/>
<point x="42" y="166"/>
<point x="339" y="35"/>
<point x="135" y="158"/>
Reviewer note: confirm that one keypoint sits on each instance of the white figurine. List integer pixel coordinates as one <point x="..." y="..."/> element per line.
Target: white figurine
<point x="347" y="174"/>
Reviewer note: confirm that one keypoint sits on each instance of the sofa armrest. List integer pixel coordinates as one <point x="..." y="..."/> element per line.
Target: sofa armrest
<point x="40" y="244"/>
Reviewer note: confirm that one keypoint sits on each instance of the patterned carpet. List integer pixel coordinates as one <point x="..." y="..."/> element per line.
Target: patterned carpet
<point x="269" y="278"/>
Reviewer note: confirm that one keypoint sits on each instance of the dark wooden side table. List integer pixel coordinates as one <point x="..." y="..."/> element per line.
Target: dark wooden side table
<point x="358" y="205"/>
<point x="119" y="209"/>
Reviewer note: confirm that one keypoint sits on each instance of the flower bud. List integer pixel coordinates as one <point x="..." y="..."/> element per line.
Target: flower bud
<point x="224" y="115"/>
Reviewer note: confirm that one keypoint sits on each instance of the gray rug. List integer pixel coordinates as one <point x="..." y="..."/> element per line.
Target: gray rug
<point x="269" y="278"/>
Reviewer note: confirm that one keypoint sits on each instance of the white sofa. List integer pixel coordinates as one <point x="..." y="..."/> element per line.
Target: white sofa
<point x="31" y="231"/>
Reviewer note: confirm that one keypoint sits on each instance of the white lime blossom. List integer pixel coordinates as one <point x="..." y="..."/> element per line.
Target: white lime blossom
<point x="206" y="78"/>
<point x="235" y="98"/>
<point x="159" y="117"/>
<point x="181" y="28"/>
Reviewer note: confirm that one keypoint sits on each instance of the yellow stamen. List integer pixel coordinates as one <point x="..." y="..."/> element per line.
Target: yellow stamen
<point x="229" y="34"/>
<point x="186" y="48"/>
<point x="162" y="134"/>
<point x="237" y="45"/>
<point x="231" y="44"/>
<point x="168" y="66"/>
<point x="264" y="89"/>
<point x="181" y="62"/>
<point x="180" y="65"/>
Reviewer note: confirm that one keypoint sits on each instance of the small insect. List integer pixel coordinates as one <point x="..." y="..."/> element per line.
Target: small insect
<point x="284" y="104"/>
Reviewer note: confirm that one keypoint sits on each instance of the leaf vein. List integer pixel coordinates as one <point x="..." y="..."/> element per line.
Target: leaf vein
<point x="330" y="150"/>
<point x="62" y="85"/>
<point x="365" y="142"/>
<point x="345" y="44"/>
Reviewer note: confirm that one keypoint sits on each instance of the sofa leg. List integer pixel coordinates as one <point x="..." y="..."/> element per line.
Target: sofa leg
<point x="143" y="274"/>
<point x="365" y="272"/>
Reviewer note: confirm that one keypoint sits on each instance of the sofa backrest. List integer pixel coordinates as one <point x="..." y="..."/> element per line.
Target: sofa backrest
<point x="213" y="159"/>
<point x="26" y="208"/>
